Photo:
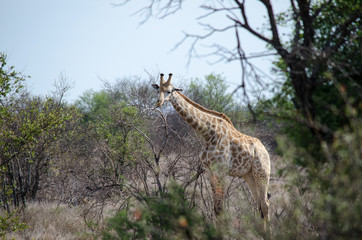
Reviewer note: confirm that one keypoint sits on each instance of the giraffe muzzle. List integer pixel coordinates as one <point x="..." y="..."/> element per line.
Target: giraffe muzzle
<point x="159" y="103"/>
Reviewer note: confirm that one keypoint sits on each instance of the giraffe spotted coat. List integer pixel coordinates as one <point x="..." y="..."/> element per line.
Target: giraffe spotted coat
<point x="226" y="152"/>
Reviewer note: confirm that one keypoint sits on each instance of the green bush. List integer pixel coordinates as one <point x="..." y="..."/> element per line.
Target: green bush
<point x="10" y="84"/>
<point x="113" y="123"/>
<point x="10" y="223"/>
<point x="169" y="217"/>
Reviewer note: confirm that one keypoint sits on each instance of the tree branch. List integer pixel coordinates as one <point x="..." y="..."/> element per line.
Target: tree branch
<point x="273" y="25"/>
<point x="341" y="32"/>
<point x="308" y="30"/>
<point x="297" y="24"/>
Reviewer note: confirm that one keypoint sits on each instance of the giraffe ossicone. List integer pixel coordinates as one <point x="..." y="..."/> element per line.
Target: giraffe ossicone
<point x="226" y="151"/>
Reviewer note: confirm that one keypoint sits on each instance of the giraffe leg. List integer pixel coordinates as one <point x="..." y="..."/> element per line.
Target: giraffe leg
<point x="217" y="186"/>
<point x="249" y="179"/>
<point x="262" y="182"/>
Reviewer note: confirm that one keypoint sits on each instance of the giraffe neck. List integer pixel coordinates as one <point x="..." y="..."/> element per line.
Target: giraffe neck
<point x="204" y="121"/>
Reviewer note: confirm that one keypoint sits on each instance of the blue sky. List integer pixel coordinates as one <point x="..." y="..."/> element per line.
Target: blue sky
<point x="89" y="40"/>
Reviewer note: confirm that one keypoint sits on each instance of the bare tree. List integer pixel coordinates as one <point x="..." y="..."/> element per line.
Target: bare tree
<point x="304" y="59"/>
<point x="62" y="86"/>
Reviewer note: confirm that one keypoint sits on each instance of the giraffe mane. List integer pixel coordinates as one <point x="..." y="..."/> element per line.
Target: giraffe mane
<point x="201" y="108"/>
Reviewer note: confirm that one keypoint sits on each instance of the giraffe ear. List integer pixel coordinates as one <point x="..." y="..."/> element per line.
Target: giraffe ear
<point x="177" y="89"/>
<point x="155" y="86"/>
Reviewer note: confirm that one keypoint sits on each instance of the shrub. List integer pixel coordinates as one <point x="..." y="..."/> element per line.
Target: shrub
<point x="169" y="217"/>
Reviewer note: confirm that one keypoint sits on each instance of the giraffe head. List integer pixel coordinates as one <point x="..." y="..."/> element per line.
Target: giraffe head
<point x="165" y="90"/>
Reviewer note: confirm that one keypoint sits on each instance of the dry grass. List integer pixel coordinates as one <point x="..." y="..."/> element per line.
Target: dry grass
<point x="53" y="221"/>
<point x="49" y="220"/>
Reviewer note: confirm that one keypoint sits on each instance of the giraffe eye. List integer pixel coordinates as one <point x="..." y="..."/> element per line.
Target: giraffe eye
<point x="167" y="93"/>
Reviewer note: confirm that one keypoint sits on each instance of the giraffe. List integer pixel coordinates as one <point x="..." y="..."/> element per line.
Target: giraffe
<point x="226" y="151"/>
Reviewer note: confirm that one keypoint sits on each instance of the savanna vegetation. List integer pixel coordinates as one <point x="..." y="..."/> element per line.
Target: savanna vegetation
<point x="111" y="166"/>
